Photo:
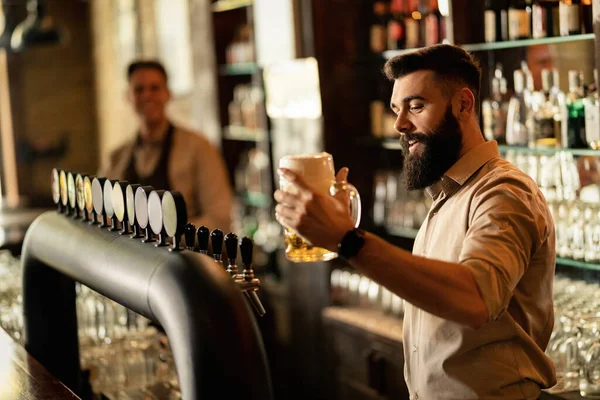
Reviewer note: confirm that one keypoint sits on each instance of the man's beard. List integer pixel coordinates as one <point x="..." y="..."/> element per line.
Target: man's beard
<point x="441" y="149"/>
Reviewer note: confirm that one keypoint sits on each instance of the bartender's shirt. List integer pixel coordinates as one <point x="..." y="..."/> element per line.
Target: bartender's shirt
<point x="492" y="218"/>
<point x="196" y="169"/>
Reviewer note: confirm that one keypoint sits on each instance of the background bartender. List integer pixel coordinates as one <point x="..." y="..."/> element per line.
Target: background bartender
<point x="169" y="157"/>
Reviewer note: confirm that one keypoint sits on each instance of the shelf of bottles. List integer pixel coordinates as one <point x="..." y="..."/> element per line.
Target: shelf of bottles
<point x="401" y="26"/>
<point x="227" y="5"/>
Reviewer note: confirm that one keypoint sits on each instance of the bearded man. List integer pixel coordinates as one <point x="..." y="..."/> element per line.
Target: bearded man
<point x="479" y="280"/>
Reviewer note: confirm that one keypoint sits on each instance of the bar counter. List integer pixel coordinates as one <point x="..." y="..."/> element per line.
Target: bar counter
<point x="23" y="378"/>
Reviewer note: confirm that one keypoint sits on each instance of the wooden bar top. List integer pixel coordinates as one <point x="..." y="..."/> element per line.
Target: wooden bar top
<point x="23" y="378"/>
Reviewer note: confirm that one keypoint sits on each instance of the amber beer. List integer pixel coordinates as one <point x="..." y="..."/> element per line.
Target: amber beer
<point x="318" y="171"/>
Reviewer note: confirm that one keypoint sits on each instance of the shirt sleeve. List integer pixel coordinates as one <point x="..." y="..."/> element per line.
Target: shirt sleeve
<point x="509" y="222"/>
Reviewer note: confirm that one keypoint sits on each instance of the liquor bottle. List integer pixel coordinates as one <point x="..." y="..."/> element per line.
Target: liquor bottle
<point x="379" y="27"/>
<point x="546" y="18"/>
<point x="495" y="109"/>
<point x="434" y="24"/>
<point x="396" y="29"/>
<point x="496" y="21"/>
<point x="519" y="19"/>
<point x="570" y="17"/>
<point x="573" y="127"/>
<point x="518" y="111"/>
<point x="548" y="114"/>
<point x="587" y="16"/>
<point x="592" y="116"/>
<point x="412" y="23"/>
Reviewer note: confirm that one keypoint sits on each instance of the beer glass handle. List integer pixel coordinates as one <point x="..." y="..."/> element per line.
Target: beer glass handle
<point x="355" y="204"/>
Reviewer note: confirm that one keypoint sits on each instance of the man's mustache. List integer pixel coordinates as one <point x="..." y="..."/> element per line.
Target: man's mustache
<point x="413" y="137"/>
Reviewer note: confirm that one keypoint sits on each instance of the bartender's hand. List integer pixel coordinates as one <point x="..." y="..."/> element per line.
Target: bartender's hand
<point x="320" y="218"/>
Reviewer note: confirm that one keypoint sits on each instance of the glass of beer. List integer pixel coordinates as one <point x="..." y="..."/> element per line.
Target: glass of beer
<point x="318" y="171"/>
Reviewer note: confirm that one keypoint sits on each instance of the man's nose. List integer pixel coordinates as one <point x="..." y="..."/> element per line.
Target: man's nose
<point x="402" y="124"/>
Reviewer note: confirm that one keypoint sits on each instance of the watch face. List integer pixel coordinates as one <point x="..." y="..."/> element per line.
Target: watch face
<point x="107" y="196"/>
<point x="87" y="194"/>
<point x="97" y="199"/>
<point x="169" y="213"/>
<point x="130" y="201"/>
<point x="118" y="200"/>
<point x="141" y="207"/>
<point x="71" y="190"/>
<point x="155" y="215"/>
<point x="79" y="192"/>
<point x="55" y="186"/>
<point x="64" y="195"/>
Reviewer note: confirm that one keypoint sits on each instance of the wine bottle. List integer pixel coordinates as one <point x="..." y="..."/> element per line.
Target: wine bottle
<point x="396" y="29"/>
<point x="434" y="30"/>
<point x="545" y="19"/>
<point x="379" y="27"/>
<point x="519" y="19"/>
<point x="496" y="21"/>
<point x="412" y="23"/>
<point x="587" y="16"/>
<point x="570" y="17"/>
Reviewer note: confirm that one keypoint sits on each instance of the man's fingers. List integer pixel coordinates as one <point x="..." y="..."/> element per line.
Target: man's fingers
<point x="286" y="198"/>
<point x="294" y="178"/>
<point x="342" y="175"/>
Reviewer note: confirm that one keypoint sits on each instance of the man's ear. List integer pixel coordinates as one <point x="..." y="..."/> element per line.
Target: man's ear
<point x="467" y="103"/>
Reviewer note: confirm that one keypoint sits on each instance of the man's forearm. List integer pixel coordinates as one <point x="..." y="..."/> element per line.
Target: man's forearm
<point x="447" y="290"/>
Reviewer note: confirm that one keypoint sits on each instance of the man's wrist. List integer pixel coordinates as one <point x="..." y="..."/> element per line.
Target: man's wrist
<point x="351" y="243"/>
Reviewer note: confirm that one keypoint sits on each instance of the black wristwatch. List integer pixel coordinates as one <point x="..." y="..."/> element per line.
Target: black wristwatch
<point x="351" y="243"/>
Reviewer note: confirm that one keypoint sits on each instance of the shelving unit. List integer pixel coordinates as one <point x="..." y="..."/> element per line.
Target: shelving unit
<point x="504" y="45"/>
<point x="228" y="5"/>
<point x="244" y="134"/>
<point x="238" y="69"/>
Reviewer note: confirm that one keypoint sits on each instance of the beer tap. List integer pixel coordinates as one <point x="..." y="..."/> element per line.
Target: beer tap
<point x="91" y="214"/>
<point x="141" y="211"/>
<point x="109" y="208"/>
<point x="56" y="189"/>
<point x="72" y="196"/>
<point x="246" y="281"/>
<point x="190" y="236"/>
<point x="98" y="201"/>
<point x="203" y="235"/>
<point x="131" y="216"/>
<point x="231" y="242"/>
<point x="155" y="215"/>
<point x="216" y="238"/>
<point x="174" y="215"/>
<point x="119" y="205"/>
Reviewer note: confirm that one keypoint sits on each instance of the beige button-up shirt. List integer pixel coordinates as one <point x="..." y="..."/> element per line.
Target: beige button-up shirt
<point x="492" y="218"/>
<point x="196" y="169"/>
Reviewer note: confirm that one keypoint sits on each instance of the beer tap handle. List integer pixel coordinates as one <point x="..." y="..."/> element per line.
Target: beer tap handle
<point x="190" y="236"/>
<point x="216" y="238"/>
<point x="256" y="303"/>
<point x="203" y="234"/>
<point x="231" y="242"/>
<point x="246" y="248"/>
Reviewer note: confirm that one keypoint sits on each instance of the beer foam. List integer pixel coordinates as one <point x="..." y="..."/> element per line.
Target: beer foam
<point x="317" y="169"/>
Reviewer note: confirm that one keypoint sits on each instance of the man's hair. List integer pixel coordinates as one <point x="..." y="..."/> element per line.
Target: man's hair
<point x="146" y="64"/>
<point x="451" y="65"/>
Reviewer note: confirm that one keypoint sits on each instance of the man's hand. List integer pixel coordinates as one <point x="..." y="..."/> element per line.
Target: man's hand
<point x="320" y="218"/>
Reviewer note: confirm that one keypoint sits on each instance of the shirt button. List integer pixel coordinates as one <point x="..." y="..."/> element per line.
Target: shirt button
<point x="416" y="396"/>
<point x="414" y="348"/>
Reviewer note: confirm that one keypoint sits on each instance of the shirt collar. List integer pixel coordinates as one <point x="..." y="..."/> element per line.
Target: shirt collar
<point x="464" y="168"/>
